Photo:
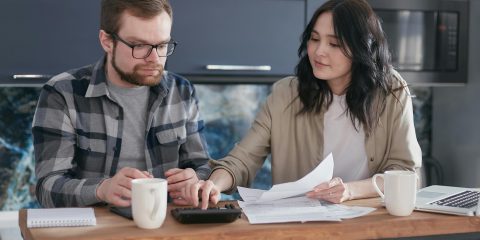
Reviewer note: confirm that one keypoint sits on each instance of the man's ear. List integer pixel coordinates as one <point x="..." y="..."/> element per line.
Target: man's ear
<point x="106" y="41"/>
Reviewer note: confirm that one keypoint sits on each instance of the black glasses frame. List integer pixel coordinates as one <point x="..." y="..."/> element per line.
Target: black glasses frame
<point x="171" y="43"/>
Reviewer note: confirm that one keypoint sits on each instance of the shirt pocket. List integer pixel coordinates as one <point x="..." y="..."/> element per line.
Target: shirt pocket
<point x="91" y="145"/>
<point x="90" y="154"/>
<point x="172" y="137"/>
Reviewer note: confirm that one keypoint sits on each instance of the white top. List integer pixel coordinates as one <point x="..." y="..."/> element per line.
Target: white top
<point x="345" y="143"/>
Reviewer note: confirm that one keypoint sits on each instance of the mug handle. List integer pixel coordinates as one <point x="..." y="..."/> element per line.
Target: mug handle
<point x="374" y="182"/>
<point x="156" y="203"/>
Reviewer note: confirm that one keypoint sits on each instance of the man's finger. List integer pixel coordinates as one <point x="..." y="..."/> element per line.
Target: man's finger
<point x="177" y="186"/>
<point x="172" y="171"/>
<point x="182" y="175"/>
<point x="175" y="194"/>
<point x="190" y="193"/>
<point x="180" y="201"/>
<point x="206" y="190"/>
<point x="133" y="173"/>
<point x="148" y="174"/>
<point x="123" y="192"/>
<point x="124" y="182"/>
<point x="119" y="201"/>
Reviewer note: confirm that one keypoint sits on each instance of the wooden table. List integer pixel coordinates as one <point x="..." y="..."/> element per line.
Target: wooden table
<point x="378" y="224"/>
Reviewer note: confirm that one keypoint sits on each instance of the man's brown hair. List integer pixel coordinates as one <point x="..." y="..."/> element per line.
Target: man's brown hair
<point x="112" y="10"/>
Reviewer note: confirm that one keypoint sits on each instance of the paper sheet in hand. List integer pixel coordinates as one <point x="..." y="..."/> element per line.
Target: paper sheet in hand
<point x="322" y="173"/>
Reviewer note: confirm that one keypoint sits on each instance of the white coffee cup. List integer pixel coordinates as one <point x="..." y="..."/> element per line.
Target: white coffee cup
<point x="149" y="202"/>
<point x="400" y="189"/>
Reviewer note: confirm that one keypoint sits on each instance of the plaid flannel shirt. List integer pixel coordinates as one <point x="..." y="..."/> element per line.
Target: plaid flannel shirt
<point x="77" y="132"/>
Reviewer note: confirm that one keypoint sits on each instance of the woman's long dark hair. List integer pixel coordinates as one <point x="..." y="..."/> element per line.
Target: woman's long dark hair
<point x="361" y="39"/>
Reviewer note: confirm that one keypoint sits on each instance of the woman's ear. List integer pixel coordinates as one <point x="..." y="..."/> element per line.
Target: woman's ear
<point x="106" y="41"/>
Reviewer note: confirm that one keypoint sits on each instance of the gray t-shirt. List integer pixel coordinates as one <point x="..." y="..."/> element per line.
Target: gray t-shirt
<point x="134" y="103"/>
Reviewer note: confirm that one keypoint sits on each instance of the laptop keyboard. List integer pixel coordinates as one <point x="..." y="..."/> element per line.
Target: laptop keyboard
<point x="465" y="199"/>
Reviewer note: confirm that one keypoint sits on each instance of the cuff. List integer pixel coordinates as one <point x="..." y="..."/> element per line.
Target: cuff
<point x="203" y="172"/>
<point x="88" y="192"/>
<point x="232" y="188"/>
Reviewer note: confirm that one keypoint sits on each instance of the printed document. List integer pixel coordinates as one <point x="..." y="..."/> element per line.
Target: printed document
<point x="287" y="202"/>
<point x="299" y="209"/>
<point x="322" y="173"/>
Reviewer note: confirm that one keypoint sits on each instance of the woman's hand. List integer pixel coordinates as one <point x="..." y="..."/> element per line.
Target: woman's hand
<point x="208" y="190"/>
<point x="334" y="191"/>
<point x="191" y="194"/>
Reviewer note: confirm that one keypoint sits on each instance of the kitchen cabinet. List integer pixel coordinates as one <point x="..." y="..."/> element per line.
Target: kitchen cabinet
<point x="312" y="6"/>
<point x="46" y="37"/>
<point x="260" y="36"/>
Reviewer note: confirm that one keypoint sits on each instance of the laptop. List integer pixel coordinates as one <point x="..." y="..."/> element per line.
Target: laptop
<point x="449" y="200"/>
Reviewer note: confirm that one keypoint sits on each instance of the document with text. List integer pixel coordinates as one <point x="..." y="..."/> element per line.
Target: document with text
<point x="322" y="173"/>
<point x="299" y="209"/>
<point x="287" y="202"/>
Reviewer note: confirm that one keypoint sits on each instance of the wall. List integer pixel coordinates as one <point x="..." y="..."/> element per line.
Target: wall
<point x="456" y="118"/>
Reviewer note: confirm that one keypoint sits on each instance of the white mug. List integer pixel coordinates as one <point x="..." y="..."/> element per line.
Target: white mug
<point x="400" y="189"/>
<point x="149" y="202"/>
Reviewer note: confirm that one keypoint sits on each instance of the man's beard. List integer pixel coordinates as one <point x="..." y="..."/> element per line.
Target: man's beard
<point x="134" y="77"/>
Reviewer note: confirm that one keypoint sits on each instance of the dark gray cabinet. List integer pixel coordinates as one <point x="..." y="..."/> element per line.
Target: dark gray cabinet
<point x="312" y="6"/>
<point x="232" y="37"/>
<point x="45" y="37"/>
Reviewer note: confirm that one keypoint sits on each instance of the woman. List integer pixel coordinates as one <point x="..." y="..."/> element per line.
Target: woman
<point x="345" y="99"/>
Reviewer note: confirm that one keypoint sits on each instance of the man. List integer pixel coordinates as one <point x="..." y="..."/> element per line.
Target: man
<point x="98" y="127"/>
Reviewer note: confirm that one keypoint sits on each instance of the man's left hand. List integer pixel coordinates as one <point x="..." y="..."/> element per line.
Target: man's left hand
<point x="178" y="179"/>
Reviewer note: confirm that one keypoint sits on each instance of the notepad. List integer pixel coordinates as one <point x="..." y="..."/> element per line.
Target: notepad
<point x="60" y="217"/>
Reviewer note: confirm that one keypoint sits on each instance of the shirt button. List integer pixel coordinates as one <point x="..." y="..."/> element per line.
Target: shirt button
<point x="371" y="159"/>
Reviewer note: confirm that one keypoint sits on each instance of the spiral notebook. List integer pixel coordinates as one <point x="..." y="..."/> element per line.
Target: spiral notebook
<point x="60" y="217"/>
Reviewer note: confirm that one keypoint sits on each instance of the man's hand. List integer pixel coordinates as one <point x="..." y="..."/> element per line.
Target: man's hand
<point x="177" y="180"/>
<point x="118" y="189"/>
<point x="334" y="191"/>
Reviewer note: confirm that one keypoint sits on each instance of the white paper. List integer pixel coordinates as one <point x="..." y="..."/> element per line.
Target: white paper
<point x="322" y="173"/>
<point x="300" y="209"/>
<point x="287" y="202"/>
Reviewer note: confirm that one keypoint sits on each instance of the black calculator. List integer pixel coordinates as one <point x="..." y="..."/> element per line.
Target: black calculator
<point x="226" y="214"/>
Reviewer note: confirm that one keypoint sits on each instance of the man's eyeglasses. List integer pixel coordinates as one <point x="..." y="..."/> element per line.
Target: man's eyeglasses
<point x="142" y="51"/>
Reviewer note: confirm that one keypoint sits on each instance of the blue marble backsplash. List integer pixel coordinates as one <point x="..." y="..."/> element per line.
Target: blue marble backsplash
<point x="17" y="169"/>
<point x="228" y="110"/>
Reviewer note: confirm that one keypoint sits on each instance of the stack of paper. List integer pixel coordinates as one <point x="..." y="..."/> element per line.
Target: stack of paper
<point x="286" y="202"/>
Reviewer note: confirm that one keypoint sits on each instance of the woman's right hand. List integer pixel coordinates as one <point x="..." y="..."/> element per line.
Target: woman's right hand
<point x="207" y="191"/>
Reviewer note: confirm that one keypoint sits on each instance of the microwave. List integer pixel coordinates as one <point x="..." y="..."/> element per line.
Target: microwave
<point x="428" y="39"/>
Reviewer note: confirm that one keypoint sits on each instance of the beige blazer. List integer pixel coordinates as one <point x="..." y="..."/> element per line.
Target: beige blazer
<point x="296" y="141"/>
